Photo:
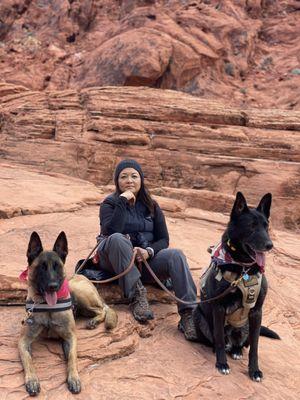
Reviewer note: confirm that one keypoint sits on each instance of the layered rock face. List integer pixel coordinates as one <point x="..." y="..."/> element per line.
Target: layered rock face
<point x="79" y="91"/>
<point x="140" y="362"/>
<point x="244" y="51"/>
<point x="195" y="150"/>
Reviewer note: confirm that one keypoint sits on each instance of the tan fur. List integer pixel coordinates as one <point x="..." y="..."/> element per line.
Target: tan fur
<point x="61" y="324"/>
<point x="91" y="304"/>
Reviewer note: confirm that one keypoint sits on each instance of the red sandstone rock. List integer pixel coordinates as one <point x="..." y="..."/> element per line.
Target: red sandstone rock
<point x="191" y="149"/>
<point x="135" y="361"/>
<point x="241" y="51"/>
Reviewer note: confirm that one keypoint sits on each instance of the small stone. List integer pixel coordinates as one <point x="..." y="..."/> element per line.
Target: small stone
<point x="57" y="52"/>
<point x="229" y="69"/>
<point x="295" y="71"/>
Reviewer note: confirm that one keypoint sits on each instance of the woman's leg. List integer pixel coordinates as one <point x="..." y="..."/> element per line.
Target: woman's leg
<point x="172" y="263"/>
<point x="115" y="254"/>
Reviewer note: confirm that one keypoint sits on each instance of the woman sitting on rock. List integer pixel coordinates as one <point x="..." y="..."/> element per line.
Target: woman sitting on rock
<point x="129" y="219"/>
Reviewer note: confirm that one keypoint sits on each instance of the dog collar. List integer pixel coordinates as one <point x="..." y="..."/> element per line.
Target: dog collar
<point x="61" y="305"/>
<point x="220" y="256"/>
<point x="64" y="300"/>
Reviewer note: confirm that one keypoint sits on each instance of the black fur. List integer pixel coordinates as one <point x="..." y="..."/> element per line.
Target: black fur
<point x="246" y="234"/>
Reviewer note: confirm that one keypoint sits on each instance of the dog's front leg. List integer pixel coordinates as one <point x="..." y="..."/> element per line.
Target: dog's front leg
<point x="219" y="339"/>
<point x="70" y="351"/>
<point x="31" y="380"/>
<point x="255" y="316"/>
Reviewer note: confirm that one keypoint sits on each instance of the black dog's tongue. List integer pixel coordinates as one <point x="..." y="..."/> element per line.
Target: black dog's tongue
<point x="260" y="258"/>
<point x="51" y="298"/>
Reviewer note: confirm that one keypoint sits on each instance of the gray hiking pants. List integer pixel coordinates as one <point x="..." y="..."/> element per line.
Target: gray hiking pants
<point x="116" y="252"/>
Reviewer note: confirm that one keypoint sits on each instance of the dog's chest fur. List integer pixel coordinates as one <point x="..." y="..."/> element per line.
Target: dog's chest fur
<point x="53" y="323"/>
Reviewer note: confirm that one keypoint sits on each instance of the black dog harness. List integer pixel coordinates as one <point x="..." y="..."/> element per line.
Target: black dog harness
<point x="249" y="285"/>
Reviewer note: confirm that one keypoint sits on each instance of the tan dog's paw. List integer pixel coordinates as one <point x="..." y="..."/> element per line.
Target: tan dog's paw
<point x="111" y="318"/>
<point x="92" y="323"/>
<point x="33" y="386"/>
<point x="74" y="385"/>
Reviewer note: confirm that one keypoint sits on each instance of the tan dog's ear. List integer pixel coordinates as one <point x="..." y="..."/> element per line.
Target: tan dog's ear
<point x="61" y="246"/>
<point x="34" y="247"/>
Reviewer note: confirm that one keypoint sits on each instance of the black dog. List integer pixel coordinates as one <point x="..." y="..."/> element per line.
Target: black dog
<point x="236" y="280"/>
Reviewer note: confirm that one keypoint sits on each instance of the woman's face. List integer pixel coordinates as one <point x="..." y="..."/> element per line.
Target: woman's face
<point x="129" y="179"/>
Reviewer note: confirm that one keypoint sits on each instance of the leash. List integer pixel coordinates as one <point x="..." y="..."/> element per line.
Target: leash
<point x="154" y="276"/>
<point x="115" y="277"/>
<point x="86" y="260"/>
<point x="157" y="280"/>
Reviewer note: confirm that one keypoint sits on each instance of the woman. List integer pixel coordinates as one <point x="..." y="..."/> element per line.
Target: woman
<point x="129" y="219"/>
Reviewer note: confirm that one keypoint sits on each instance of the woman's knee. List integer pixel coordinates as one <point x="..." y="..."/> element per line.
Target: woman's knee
<point x="177" y="253"/>
<point x="117" y="240"/>
<point x="177" y="257"/>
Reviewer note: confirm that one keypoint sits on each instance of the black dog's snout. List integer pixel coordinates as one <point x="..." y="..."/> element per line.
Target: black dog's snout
<point x="269" y="245"/>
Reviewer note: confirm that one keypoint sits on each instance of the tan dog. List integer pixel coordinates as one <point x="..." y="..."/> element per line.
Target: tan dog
<point x="49" y="308"/>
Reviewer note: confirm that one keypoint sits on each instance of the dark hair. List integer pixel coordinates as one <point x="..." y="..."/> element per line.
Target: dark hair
<point x="145" y="197"/>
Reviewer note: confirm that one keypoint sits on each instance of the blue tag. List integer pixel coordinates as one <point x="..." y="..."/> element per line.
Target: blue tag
<point x="246" y="277"/>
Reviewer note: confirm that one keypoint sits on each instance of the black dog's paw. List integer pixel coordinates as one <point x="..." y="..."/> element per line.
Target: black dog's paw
<point x="74" y="385"/>
<point x="236" y="354"/>
<point x="33" y="387"/>
<point x="256" y="375"/>
<point x="223" y="368"/>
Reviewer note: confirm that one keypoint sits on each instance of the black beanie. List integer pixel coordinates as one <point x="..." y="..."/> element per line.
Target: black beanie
<point x="127" y="164"/>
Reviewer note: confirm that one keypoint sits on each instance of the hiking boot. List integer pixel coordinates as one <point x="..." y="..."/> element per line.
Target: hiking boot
<point x="139" y="305"/>
<point x="186" y="324"/>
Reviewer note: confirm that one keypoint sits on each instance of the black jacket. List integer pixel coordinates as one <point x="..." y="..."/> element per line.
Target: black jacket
<point x="116" y="215"/>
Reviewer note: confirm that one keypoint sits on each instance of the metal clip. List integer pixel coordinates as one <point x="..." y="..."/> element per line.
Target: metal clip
<point x="29" y="320"/>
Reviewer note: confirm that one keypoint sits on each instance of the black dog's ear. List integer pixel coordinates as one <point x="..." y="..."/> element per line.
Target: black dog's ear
<point x="34" y="247"/>
<point x="265" y="205"/>
<point x="240" y="205"/>
<point x="61" y="246"/>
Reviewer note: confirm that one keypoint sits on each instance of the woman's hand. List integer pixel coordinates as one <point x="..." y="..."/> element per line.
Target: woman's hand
<point x="129" y="196"/>
<point x="144" y="252"/>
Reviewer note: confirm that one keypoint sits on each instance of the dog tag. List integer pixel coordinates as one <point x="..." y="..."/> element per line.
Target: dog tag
<point x="246" y="277"/>
<point x="29" y="321"/>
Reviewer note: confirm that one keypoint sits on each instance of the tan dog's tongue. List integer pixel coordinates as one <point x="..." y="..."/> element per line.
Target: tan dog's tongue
<point x="51" y="298"/>
<point x="260" y="259"/>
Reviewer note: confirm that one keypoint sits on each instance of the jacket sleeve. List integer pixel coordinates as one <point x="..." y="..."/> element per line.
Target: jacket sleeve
<point x="112" y="215"/>
<point x="161" y="234"/>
